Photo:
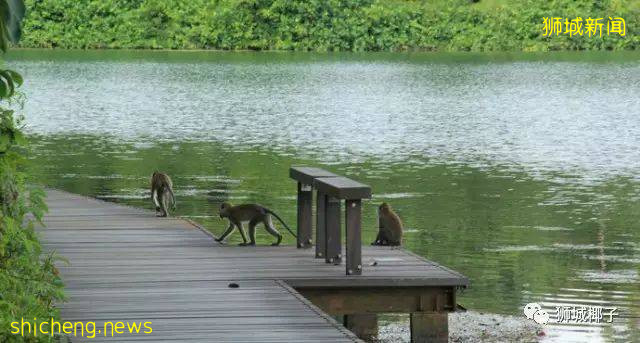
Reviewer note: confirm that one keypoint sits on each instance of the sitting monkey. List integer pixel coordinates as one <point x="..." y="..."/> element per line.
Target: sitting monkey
<point x="254" y="214"/>
<point x="389" y="227"/>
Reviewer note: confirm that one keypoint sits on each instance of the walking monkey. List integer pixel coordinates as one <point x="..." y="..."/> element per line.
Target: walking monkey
<point x="254" y="214"/>
<point x="162" y="192"/>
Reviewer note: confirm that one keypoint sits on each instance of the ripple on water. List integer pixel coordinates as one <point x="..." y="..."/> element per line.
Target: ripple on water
<point x="585" y="246"/>
<point x="611" y="276"/>
<point x="515" y="248"/>
<point x="212" y="178"/>
<point x="398" y="195"/>
<point x="548" y="151"/>
<point x="607" y="299"/>
<point x="465" y="114"/>
<point x="539" y="228"/>
<point x="613" y="258"/>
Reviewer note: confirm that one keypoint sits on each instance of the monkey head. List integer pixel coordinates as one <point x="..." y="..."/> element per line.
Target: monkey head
<point x="384" y="207"/>
<point x="224" y="209"/>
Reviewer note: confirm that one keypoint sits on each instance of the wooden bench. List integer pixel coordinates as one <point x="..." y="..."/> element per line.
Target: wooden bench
<point x="331" y="190"/>
<point x="305" y="177"/>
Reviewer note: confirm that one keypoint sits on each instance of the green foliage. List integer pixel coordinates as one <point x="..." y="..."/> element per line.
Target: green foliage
<point x="29" y="281"/>
<point x="318" y="25"/>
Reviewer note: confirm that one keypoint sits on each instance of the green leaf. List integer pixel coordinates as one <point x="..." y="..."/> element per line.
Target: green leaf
<point x="17" y="78"/>
<point x="6" y="77"/>
<point x="4" y="88"/>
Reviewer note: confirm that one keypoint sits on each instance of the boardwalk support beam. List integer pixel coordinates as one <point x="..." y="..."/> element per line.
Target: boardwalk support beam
<point x="427" y="306"/>
<point x="429" y="327"/>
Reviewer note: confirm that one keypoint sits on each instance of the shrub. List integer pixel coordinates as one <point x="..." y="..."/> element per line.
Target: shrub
<point x="317" y="25"/>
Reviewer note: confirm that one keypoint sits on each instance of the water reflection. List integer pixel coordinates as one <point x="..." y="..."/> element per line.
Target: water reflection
<point x="497" y="230"/>
<point x="520" y="173"/>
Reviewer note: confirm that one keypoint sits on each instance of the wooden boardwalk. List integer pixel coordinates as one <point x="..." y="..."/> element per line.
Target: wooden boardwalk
<point x="128" y="265"/>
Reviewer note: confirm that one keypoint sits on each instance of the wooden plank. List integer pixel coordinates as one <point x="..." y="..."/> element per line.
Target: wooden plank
<point x="353" y="222"/>
<point x="127" y="264"/>
<point x="342" y="188"/>
<point x="321" y="239"/>
<point x="332" y="230"/>
<point x="342" y="301"/>
<point x="306" y="175"/>
<point x="305" y="215"/>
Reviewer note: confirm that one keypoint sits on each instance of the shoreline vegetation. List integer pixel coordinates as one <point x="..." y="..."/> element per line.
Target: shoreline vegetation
<point x="321" y="25"/>
<point x="30" y="285"/>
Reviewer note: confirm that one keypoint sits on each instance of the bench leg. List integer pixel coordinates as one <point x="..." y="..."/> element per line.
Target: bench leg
<point x="365" y="326"/>
<point x="321" y="246"/>
<point x="332" y="230"/>
<point x="429" y="327"/>
<point x="305" y="199"/>
<point x="353" y="209"/>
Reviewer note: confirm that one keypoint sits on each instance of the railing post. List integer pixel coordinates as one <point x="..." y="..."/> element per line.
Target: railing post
<point x="305" y="199"/>
<point x="306" y="178"/>
<point x="321" y="245"/>
<point x="353" y="210"/>
<point x="332" y="230"/>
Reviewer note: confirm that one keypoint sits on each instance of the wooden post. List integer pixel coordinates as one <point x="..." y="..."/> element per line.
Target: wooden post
<point x="365" y="326"/>
<point x="429" y="327"/>
<point x="333" y="230"/>
<point x="321" y="245"/>
<point x="353" y="209"/>
<point x="305" y="199"/>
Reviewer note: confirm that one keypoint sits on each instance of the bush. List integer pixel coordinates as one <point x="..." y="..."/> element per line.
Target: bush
<point x="317" y="25"/>
<point x="29" y="281"/>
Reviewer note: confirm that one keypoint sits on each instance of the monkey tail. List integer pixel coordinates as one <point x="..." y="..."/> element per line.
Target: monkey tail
<point x="281" y="221"/>
<point x="173" y="198"/>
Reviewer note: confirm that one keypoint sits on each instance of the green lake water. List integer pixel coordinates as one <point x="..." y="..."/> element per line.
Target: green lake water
<point x="519" y="171"/>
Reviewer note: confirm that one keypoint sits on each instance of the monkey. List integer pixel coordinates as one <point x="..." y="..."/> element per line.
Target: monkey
<point x="161" y="189"/>
<point x="254" y="214"/>
<point x="390" y="227"/>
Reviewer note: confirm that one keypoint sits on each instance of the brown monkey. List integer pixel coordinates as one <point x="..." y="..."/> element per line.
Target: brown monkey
<point x="161" y="190"/>
<point x="254" y="214"/>
<point x="390" y="227"/>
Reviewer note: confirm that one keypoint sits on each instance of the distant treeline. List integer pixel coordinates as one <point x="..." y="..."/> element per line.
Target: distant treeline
<point x="322" y="25"/>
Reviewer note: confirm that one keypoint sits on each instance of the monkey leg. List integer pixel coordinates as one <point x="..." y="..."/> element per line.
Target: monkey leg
<point x="154" y="198"/>
<point x="383" y="237"/>
<point x="244" y="235"/>
<point x="268" y="225"/>
<point x="226" y="233"/>
<point x="378" y="238"/>
<point x="165" y="203"/>
<point x="252" y="231"/>
<point x="160" y="211"/>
